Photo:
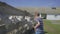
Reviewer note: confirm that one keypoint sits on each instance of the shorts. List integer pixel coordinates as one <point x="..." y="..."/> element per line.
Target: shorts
<point x="38" y="31"/>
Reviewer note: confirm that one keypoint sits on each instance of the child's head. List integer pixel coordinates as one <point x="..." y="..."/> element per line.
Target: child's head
<point x="37" y="14"/>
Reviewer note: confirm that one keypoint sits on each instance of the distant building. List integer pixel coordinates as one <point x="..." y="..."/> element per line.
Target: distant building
<point x="53" y="16"/>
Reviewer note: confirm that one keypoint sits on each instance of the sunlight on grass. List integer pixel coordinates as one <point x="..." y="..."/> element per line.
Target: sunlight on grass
<point x="51" y="28"/>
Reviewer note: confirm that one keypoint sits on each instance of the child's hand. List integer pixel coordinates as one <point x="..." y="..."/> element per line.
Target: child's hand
<point x="35" y="28"/>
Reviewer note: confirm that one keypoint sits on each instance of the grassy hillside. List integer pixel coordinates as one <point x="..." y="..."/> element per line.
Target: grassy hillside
<point x="47" y="10"/>
<point x="51" y="28"/>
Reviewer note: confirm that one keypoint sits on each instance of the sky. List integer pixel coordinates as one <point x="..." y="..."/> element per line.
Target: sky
<point x="33" y="3"/>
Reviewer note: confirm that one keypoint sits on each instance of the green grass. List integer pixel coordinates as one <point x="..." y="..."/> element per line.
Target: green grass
<point x="51" y="28"/>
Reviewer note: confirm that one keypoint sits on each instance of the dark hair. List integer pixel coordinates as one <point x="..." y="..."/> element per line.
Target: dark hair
<point x="38" y="14"/>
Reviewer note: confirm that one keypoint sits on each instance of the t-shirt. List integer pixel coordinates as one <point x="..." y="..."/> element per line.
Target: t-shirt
<point x="41" y="23"/>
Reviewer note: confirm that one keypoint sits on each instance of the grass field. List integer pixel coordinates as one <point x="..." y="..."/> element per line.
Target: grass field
<point x="51" y="28"/>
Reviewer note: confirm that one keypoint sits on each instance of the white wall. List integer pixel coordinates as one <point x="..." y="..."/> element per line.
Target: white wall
<point x="53" y="17"/>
